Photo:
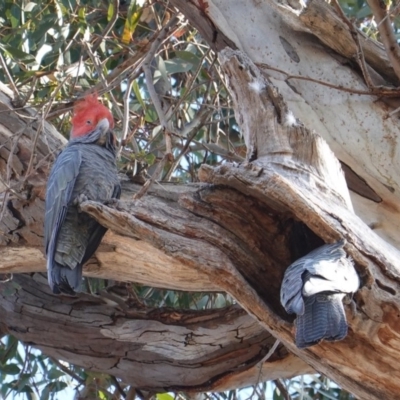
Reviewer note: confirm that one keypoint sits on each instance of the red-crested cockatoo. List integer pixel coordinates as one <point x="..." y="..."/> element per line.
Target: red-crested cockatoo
<point x="85" y="169"/>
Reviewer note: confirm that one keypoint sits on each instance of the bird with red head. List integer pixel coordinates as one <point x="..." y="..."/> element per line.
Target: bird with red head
<point x="87" y="114"/>
<point x="85" y="170"/>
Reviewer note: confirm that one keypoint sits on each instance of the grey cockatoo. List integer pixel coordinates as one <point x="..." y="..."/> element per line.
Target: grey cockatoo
<point x="85" y="169"/>
<point x="313" y="287"/>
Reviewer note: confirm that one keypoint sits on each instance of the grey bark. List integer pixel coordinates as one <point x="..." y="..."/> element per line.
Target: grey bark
<point x="239" y="230"/>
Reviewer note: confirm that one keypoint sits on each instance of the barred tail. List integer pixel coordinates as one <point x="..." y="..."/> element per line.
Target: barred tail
<point x="323" y="318"/>
<point x="64" y="279"/>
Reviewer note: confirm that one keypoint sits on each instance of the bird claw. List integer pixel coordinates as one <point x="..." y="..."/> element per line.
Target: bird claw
<point x="79" y="200"/>
<point x="111" y="202"/>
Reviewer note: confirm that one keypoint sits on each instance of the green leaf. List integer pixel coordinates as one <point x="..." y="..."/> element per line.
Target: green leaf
<point x="55" y="373"/>
<point x="162" y="69"/>
<point x="14" y="15"/>
<point x="52" y="387"/>
<point x="58" y="386"/>
<point x="176" y="65"/>
<point x="46" y="392"/>
<point x="23" y="381"/>
<point x="18" y="55"/>
<point x="110" y="11"/>
<point x="151" y="115"/>
<point x="11" y="349"/>
<point x="4" y="388"/>
<point x="164" y="396"/>
<point x="30" y="394"/>
<point x="189" y="57"/>
<point x="10" y="369"/>
<point x="138" y="95"/>
<point x="150" y="159"/>
<point x="131" y="22"/>
<point x="363" y="12"/>
<point x="82" y="15"/>
<point x="276" y="395"/>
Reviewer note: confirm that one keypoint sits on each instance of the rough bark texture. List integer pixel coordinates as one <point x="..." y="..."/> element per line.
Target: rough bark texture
<point x="153" y="349"/>
<point x="158" y="349"/>
<point x="240" y="228"/>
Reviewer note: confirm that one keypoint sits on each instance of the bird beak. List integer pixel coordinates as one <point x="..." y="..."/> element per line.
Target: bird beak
<point x="103" y="126"/>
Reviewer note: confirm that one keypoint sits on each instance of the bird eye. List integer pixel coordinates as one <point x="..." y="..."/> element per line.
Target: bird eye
<point x="89" y="122"/>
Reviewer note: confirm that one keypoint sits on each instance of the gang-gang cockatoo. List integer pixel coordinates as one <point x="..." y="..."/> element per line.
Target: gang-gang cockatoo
<point x="85" y="169"/>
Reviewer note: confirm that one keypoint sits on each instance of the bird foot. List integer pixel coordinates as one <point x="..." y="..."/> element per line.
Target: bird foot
<point x="111" y="202"/>
<point x="79" y="200"/>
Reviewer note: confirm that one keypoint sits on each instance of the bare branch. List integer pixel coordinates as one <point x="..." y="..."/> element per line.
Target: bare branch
<point x="388" y="37"/>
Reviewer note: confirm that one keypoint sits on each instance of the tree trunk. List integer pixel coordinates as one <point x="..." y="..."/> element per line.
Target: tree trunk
<point x="241" y="227"/>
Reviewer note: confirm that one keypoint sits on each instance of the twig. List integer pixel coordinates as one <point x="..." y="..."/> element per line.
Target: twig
<point x="282" y="389"/>
<point x="360" y="53"/>
<point x="68" y="371"/>
<point x="261" y="363"/>
<point x="6" y="182"/>
<point x="118" y="386"/>
<point x="388" y="37"/>
<point x="268" y="355"/>
<point x="99" y="71"/>
<point x="114" y="298"/>
<point x="32" y="88"/>
<point x="109" y="26"/>
<point x="216" y="149"/>
<point x="10" y="78"/>
<point x="151" y="89"/>
<point x="193" y="127"/>
<point x="123" y="71"/>
<point x="391" y="12"/>
<point x="149" y="75"/>
<point x="132" y="392"/>
<point x="125" y="118"/>
<point x="189" y="86"/>
<point x="40" y="127"/>
<point x="150" y="181"/>
<point x="391" y="113"/>
<point x="173" y="166"/>
<point x="382" y="91"/>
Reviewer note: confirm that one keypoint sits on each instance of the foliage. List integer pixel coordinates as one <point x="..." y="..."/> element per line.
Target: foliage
<point x="27" y="373"/>
<point x="52" y="53"/>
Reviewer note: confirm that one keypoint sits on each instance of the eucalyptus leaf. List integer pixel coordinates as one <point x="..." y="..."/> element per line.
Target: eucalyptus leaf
<point x="176" y="65"/>
<point x="164" y="396"/>
<point x="138" y="95"/>
<point x="17" y="54"/>
<point x="10" y="369"/>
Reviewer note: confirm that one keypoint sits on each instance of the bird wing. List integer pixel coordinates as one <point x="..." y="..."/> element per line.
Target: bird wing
<point x="329" y="270"/>
<point x="58" y="195"/>
<point x="99" y="230"/>
<point x="323" y="269"/>
<point x="334" y="276"/>
<point x="291" y="298"/>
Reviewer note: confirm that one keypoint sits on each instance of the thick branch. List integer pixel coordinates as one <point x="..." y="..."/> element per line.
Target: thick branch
<point x="156" y="349"/>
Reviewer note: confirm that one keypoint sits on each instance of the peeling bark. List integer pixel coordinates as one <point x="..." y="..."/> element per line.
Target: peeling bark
<point x="157" y="349"/>
<point x="148" y="348"/>
<point x="240" y="228"/>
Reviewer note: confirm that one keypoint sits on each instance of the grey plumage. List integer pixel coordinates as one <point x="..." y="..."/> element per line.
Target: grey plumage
<point x="84" y="169"/>
<point x="313" y="288"/>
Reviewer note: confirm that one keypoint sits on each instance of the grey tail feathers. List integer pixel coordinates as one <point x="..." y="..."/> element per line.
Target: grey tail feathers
<point x="323" y="318"/>
<point x="65" y="280"/>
